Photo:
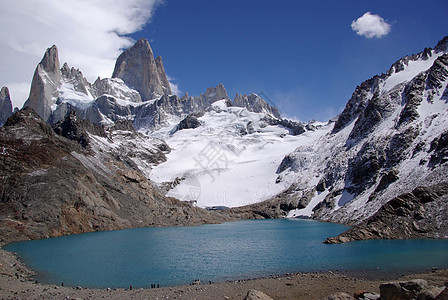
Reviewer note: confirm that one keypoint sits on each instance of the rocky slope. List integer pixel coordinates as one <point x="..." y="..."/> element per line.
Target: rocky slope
<point x="53" y="186"/>
<point x="389" y="139"/>
<point x="421" y="213"/>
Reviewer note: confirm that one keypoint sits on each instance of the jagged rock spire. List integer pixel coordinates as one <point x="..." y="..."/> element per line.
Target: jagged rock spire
<point x="46" y="81"/>
<point x="5" y="105"/>
<point x="139" y="70"/>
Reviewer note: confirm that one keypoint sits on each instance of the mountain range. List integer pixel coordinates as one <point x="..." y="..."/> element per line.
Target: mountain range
<point x="125" y="152"/>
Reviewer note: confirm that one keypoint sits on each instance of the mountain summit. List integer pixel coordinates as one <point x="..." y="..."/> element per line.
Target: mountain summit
<point x="46" y="81"/>
<point x="139" y="70"/>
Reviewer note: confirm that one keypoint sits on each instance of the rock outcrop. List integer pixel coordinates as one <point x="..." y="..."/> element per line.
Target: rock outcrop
<point x="190" y="122"/>
<point x="5" y="105"/>
<point x="137" y="67"/>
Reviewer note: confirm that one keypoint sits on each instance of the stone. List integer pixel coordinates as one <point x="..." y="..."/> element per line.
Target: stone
<point x="256" y="295"/>
<point x="402" y="290"/>
<point x="431" y="293"/>
<point x="443" y="295"/>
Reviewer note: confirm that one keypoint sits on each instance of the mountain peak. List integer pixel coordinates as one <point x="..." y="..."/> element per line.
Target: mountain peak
<point x="137" y="67"/>
<point x="217" y="93"/>
<point x="50" y="61"/>
<point x="46" y="81"/>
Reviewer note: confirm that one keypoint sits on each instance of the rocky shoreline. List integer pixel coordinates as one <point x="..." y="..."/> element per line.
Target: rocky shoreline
<point x="16" y="282"/>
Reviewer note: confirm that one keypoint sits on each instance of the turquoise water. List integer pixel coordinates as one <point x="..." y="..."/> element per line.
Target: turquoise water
<point x="179" y="255"/>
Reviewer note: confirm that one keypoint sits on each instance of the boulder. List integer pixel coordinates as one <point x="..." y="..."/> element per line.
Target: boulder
<point x="402" y="290"/>
<point x="256" y="295"/>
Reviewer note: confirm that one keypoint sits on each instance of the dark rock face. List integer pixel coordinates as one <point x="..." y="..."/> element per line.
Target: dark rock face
<point x="190" y="122"/>
<point x="5" y="105"/>
<point x="357" y="103"/>
<point x="439" y="148"/>
<point x="295" y="128"/>
<point x="139" y="70"/>
<point x="76" y="130"/>
<point x="52" y="186"/>
<point x="420" y="214"/>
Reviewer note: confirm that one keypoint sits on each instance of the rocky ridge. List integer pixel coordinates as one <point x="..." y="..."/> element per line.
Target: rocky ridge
<point x="138" y="91"/>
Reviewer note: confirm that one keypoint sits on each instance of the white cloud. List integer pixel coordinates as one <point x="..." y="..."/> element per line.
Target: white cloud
<point x="174" y="86"/>
<point x="371" y="26"/>
<point x="88" y="33"/>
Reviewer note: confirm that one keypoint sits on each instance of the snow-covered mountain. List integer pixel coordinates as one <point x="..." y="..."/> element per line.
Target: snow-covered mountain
<point x="214" y="152"/>
<point x="388" y="140"/>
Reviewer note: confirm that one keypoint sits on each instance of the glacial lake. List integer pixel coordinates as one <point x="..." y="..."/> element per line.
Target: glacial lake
<point x="173" y="256"/>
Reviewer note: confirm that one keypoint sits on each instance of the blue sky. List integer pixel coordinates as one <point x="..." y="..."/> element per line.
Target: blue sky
<point x="303" y="55"/>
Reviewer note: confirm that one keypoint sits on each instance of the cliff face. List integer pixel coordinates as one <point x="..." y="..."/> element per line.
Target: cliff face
<point x="140" y="71"/>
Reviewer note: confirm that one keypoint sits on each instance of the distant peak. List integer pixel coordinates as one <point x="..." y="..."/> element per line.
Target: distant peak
<point x="218" y="92"/>
<point x="442" y="45"/>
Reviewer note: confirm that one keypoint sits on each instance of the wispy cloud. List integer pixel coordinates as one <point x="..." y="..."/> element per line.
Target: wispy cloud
<point x="371" y="26"/>
<point x="88" y="33"/>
